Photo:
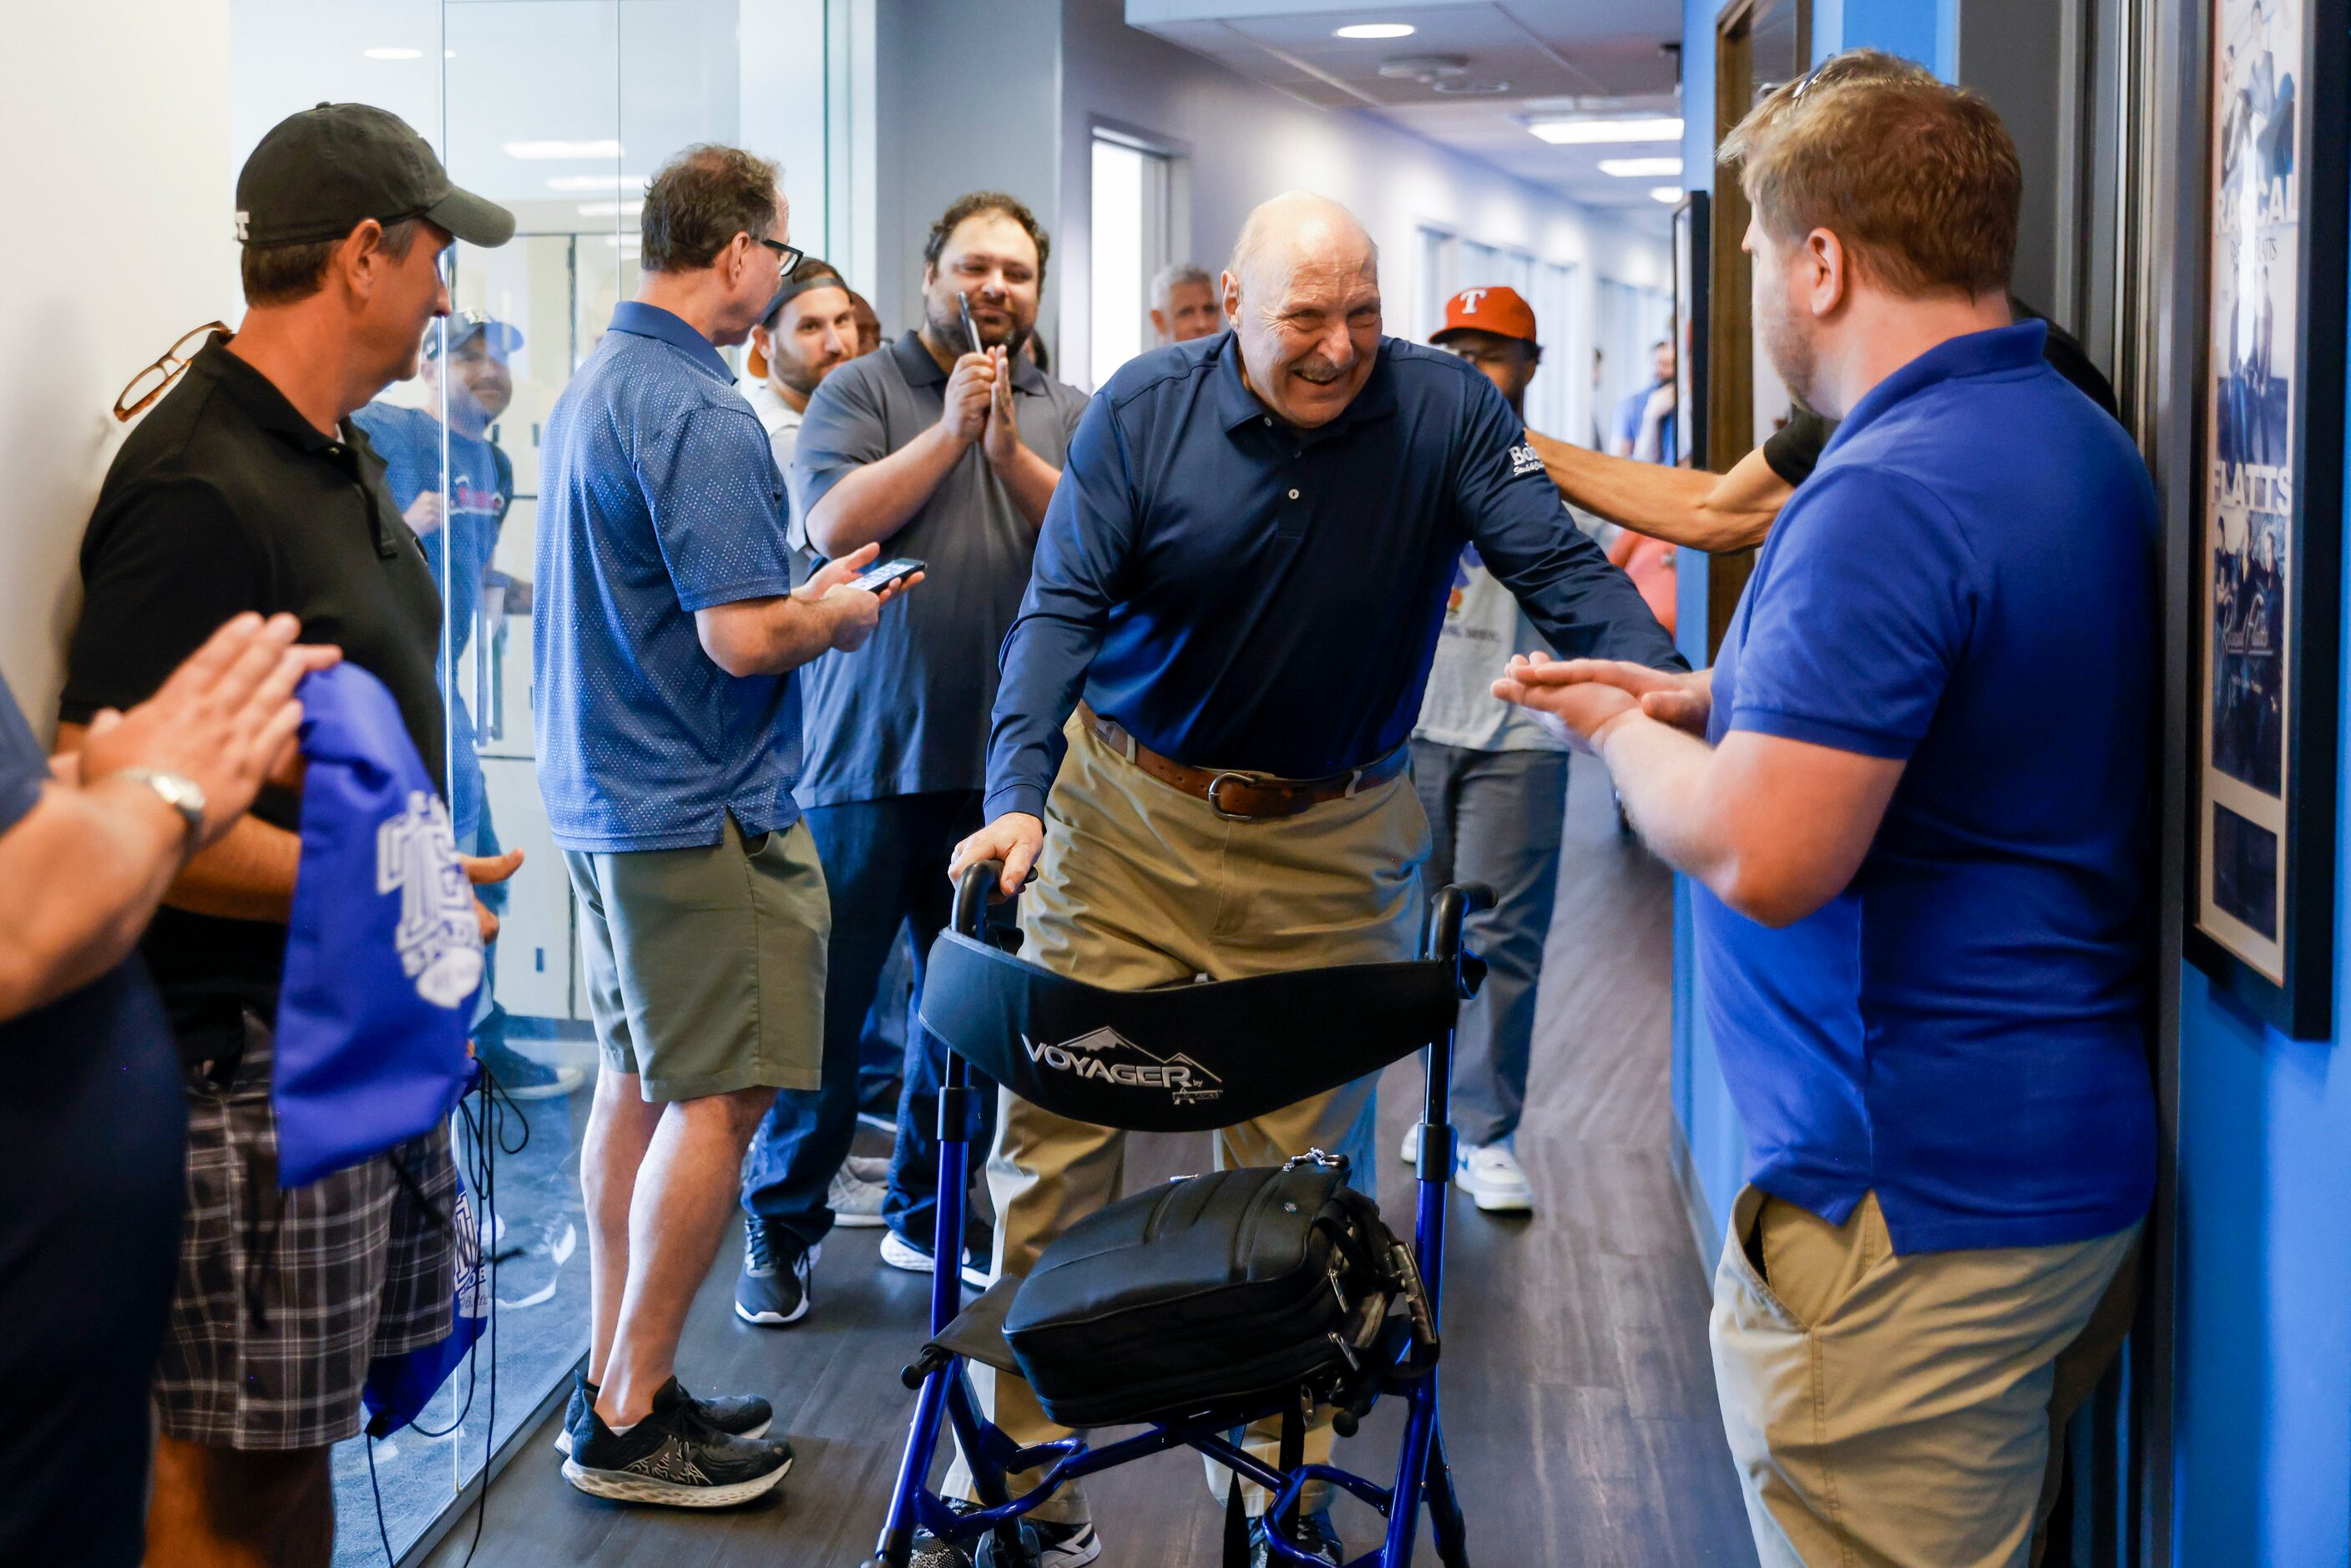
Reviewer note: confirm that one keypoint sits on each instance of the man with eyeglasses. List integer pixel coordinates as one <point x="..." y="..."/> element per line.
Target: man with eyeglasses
<point x="250" y="488"/>
<point x="667" y="633"/>
<point x="458" y="515"/>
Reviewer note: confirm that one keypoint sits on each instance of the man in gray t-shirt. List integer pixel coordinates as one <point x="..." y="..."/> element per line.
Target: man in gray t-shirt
<point x="1495" y="788"/>
<point x="947" y="455"/>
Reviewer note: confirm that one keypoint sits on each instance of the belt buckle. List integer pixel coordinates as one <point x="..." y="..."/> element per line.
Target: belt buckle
<point x="1215" y="805"/>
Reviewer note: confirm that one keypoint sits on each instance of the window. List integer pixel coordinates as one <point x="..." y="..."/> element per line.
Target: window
<point x="1435" y="248"/>
<point x="1558" y="393"/>
<point x="1632" y="319"/>
<point x="1131" y="224"/>
<point x="561" y="109"/>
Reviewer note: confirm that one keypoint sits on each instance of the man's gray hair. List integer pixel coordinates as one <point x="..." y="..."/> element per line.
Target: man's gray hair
<point x="1282" y="215"/>
<point x="1175" y="275"/>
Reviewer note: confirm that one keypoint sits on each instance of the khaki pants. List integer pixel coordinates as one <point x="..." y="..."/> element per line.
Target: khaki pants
<point x="1140" y="884"/>
<point x="1904" y="1412"/>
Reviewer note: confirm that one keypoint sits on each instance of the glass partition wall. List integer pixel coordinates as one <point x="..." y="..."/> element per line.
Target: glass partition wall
<point x="561" y="109"/>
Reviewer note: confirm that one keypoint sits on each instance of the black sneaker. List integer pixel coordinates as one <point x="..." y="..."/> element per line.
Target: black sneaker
<point x="736" y="1414"/>
<point x="673" y="1457"/>
<point x="1319" y="1541"/>
<point x="521" y="1078"/>
<point x="773" y="1289"/>
<point x="1044" y="1544"/>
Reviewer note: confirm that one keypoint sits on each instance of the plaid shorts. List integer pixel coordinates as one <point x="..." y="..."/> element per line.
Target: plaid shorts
<point x="283" y="1297"/>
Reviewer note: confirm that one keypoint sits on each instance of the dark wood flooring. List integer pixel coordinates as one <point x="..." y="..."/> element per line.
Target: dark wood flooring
<point x="1579" y="1401"/>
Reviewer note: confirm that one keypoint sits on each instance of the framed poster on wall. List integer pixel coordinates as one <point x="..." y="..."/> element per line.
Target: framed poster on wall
<point x="2262" y="906"/>
<point x="1690" y="328"/>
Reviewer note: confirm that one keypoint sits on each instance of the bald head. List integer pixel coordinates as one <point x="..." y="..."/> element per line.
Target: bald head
<point x="1300" y="229"/>
<point x="1302" y="293"/>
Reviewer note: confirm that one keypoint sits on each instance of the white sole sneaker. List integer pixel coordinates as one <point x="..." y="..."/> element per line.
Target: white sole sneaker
<point x="622" y="1487"/>
<point x="1075" y="1553"/>
<point x="856" y="1204"/>
<point x="1511" y="1195"/>
<point x="899" y="1254"/>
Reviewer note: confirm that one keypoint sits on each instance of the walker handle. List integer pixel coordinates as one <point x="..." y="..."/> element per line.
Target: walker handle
<point x="971" y="897"/>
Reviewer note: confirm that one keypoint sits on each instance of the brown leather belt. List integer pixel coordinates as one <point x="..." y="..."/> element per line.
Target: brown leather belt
<point x="1239" y="797"/>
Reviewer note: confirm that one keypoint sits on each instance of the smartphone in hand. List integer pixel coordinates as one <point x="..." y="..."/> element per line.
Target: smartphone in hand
<point x="881" y="574"/>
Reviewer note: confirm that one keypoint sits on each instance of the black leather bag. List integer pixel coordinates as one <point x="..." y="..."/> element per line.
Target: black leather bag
<point x="1209" y="1289"/>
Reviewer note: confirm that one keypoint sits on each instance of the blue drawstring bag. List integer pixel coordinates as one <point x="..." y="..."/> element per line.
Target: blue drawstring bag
<point x="383" y="956"/>
<point x="399" y="1387"/>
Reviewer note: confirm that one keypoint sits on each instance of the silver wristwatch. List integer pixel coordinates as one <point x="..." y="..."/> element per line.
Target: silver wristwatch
<point x="183" y="794"/>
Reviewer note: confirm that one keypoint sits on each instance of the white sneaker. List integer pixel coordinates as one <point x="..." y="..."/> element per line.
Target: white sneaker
<point x="856" y="1203"/>
<point x="1410" y="1153"/>
<point x="1490" y="1174"/>
<point x="869" y="1167"/>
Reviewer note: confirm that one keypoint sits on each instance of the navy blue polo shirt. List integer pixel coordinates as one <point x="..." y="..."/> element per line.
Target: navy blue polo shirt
<point x="1966" y="583"/>
<point x="1240" y="594"/>
<point x="658" y="497"/>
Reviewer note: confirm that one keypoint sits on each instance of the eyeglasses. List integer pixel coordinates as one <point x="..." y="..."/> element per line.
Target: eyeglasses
<point x="787" y="257"/>
<point x="151" y="382"/>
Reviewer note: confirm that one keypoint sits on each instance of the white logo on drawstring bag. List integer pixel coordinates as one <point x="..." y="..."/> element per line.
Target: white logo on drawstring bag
<point x="439" y="941"/>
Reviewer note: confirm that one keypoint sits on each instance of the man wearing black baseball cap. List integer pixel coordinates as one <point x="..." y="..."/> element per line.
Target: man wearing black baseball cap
<point x="249" y="487"/>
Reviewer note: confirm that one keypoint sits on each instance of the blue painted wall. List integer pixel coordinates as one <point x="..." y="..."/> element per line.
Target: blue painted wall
<point x="2262" y="1407"/>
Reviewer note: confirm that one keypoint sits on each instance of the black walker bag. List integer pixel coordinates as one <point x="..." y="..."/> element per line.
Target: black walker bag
<point x="1211" y="1290"/>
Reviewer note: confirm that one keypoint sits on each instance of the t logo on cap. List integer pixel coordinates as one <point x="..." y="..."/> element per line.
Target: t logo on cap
<point x="1469" y="298"/>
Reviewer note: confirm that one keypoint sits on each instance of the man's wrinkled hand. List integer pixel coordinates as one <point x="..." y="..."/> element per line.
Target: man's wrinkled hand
<point x="1015" y="838"/>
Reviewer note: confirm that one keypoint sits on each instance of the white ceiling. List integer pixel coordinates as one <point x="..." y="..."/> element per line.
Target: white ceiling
<point x="1557" y="55"/>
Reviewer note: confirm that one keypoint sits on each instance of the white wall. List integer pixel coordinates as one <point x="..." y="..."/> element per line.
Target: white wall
<point x="963" y="96"/>
<point x="123" y="204"/>
<point x="1246" y="141"/>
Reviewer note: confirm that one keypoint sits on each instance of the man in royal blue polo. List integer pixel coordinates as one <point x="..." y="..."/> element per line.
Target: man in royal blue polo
<point x="1243" y="572"/>
<point x="667" y="633"/>
<point x="1923" y="876"/>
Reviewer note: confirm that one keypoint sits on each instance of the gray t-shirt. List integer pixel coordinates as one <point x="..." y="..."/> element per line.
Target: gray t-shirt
<point x="908" y="712"/>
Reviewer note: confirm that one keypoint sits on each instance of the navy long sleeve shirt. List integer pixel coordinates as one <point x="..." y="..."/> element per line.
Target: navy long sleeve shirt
<point x="1240" y="594"/>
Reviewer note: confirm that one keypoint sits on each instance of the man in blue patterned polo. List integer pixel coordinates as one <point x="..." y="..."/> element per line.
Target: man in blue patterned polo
<point x="665" y="635"/>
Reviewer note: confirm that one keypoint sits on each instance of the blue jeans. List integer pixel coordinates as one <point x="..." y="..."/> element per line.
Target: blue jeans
<point x="885" y="864"/>
<point x="1495" y="817"/>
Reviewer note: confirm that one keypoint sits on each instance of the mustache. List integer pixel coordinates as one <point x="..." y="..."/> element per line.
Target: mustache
<point x="1315" y="368"/>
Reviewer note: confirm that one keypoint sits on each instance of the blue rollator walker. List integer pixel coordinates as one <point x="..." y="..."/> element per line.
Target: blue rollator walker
<point x="1187" y="1057"/>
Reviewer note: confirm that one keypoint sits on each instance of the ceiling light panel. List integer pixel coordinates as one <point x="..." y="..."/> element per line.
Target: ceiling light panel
<point x="1374" y="30"/>
<point x="1641" y="168"/>
<point x="1606" y="133"/>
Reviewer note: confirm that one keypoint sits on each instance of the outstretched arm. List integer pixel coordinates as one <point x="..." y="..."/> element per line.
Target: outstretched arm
<point x="1714" y="512"/>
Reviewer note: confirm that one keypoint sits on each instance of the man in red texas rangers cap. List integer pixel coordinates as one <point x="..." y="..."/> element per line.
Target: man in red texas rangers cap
<point x="1495" y="788"/>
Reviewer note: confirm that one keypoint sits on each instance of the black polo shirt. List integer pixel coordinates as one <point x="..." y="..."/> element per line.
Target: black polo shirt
<point x="225" y="499"/>
<point x="1794" y="449"/>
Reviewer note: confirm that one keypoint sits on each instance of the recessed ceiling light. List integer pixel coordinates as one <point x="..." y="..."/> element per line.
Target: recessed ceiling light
<point x="1376" y="30"/>
<point x="1640" y="168"/>
<point x="609" y="209"/>
<point x="603" y="148"/>
<point x="389" y="53"/>
<point x="1602" y="133"/>
<point x="1666" y="193"/>
<point x="584" y="183"/>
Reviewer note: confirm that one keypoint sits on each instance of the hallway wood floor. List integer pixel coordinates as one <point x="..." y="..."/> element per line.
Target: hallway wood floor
<point x="1579" y="1399"/>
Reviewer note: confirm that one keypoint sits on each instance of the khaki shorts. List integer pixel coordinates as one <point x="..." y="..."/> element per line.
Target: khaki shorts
<point x="1904" y="1411"/>
<point x="706" y="967"/>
